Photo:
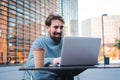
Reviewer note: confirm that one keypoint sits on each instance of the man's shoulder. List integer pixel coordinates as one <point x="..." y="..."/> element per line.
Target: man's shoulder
<point x="44" y="38"/>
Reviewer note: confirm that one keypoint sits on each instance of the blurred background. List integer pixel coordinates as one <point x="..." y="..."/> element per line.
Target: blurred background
<point x="22" y="21"/>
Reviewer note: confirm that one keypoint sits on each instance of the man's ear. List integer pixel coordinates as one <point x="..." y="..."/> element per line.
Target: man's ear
<point x="47" y="27"/>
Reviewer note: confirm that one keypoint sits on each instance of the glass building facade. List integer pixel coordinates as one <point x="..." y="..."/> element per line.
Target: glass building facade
<point x="22" y="21"/>
<point x="69" y="10"/>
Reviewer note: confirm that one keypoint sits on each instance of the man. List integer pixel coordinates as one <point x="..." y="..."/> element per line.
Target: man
<point x="52" y="45"/>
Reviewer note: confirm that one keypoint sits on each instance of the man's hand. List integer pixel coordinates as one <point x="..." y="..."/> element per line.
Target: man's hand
<point x="56" y="60"/>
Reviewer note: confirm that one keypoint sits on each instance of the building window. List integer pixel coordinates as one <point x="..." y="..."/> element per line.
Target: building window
<point x="0" y="33"/>
<point x="0" y="13"/>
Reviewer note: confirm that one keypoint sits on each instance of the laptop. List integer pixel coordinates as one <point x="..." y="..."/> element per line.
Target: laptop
<point x="80" y="51"/>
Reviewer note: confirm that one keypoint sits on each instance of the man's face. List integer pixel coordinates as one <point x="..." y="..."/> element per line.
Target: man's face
<point x="55" y="30"/>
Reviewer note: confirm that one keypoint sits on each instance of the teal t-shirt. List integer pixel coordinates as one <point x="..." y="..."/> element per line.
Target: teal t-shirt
<point x="52" y="50"/>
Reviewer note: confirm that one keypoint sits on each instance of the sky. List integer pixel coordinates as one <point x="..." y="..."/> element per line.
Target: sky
<point x="95" y="8"/>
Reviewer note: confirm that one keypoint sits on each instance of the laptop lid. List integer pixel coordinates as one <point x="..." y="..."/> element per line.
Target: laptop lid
<point x="77" y="51"/>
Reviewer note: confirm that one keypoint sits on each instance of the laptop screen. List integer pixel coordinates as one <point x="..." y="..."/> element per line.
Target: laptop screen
<point x="77" y="51"/>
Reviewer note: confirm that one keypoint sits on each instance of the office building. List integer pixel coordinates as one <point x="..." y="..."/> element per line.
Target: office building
<point x="69" y="10"/>
<point x="93" y="28"/>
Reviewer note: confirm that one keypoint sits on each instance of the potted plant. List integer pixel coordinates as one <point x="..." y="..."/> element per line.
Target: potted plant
<point x="117" y="44"/>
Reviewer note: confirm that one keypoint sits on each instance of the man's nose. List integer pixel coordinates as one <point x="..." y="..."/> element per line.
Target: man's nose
<point x="59" y="30"/>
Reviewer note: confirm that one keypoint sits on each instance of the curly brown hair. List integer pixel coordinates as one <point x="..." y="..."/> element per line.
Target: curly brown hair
<point x="53" y="17"/>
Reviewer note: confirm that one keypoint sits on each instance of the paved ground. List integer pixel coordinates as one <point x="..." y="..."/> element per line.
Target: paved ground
<point x="100" y="74"/>
<point x="12" y="73"/>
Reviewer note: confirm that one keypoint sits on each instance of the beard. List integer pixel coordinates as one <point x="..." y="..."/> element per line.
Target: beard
<point x="57" y="40"/>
